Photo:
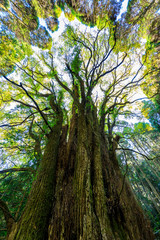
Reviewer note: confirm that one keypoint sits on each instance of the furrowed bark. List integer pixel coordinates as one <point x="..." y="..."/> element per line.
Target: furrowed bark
<point x="92" y="200"/>
<point x="34" y="221"/>
<point x="82" y="196"/>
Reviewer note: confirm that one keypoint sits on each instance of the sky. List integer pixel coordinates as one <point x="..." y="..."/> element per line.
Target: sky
<point x="123" y="9"/>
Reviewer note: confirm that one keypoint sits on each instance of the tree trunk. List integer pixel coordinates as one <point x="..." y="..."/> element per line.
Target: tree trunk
<point x="90" y="198"/>
<point x="35" y="219"/>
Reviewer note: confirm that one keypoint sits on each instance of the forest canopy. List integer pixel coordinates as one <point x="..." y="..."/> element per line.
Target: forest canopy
<point x="80" y="114"/>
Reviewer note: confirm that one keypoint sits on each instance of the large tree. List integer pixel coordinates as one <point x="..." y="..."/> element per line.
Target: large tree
<point x="68" y="100"/>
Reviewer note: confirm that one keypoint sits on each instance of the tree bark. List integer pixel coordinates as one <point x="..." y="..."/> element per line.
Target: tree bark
<point x="92" y="198"/>
<point x="35" y="219"/>
<point x="84" y="196"/>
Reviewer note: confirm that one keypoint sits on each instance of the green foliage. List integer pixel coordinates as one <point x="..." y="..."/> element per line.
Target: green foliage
<point x="52" y="23"/>
<point x="70" y="14"/>
<point x="152" y="112"/>
<point x="5" y="3"/>
<point x="14" y="191"/>
<point x="11" y="51"/>
<point x="41" y="38"/>
<point x="141" y="127"/>
<point x="76" y="62"/>
<point x="57" y="11"/>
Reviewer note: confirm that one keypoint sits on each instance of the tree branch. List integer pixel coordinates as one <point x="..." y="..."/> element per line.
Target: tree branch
<point x="67" y="89"/>
<point x="17" y="124"/>
<point x="21" y="86"/>
<point x="10" y="170"/>
<point x="25" y="104"/>
<point x="109" y="71"/>
<point x="128" y="149"/>
<point x="41" y="113"/>
<point x="80" y="81"/>
<point x="7" y="214"/>
<point x="34" y="78"/>
<point x="105" y="57"/>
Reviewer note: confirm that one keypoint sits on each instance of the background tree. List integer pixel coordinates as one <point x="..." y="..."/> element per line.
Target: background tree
<point x="140" y="163"/>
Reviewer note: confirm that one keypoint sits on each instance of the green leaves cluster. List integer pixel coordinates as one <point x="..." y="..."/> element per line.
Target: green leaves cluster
<point x="76" y="62"/>
<point x="151" y="110"/>
<point x="11" y="51"/>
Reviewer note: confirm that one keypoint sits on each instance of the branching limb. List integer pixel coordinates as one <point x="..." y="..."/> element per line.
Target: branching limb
<point x="67" y="89"/>
<point x="105" y="57"/>
<point x="41" y="113"/>
<point x="143" y="13"/>
<point x="32" y="135"/>
<point x="81" y="82"/>
<point x="25" y="104"/>
<point x="58" y="79"/>
<point x="93" y="83"/>
<point x="109" y="71"/>
<point x="128" y="149"/>
<point x="18" y="124"/>
<point x="7" y="214"/>
<point x="68" y="67"/>
<point x="27" y="93"/>
<point x="32" y="76"/>
<point x="10" y="170"/>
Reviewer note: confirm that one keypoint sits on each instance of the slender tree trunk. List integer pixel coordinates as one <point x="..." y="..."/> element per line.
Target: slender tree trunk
<point x="90" y="198"/>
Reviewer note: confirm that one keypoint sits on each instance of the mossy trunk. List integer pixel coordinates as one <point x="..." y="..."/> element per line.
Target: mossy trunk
<point x="35" y="219"/>
<point x="90" y="198"/>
